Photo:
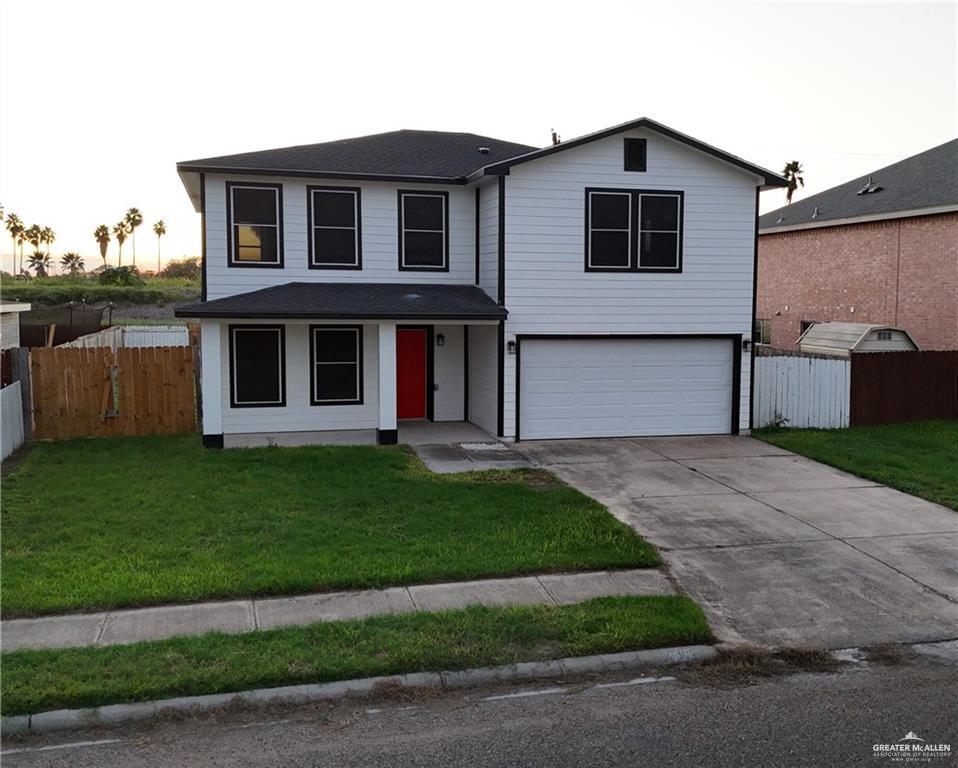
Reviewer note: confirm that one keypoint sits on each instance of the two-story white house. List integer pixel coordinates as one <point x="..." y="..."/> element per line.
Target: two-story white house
<point x="599" y="287"/>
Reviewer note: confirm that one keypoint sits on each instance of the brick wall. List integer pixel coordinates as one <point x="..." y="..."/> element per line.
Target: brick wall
<point x="901" y="272"/>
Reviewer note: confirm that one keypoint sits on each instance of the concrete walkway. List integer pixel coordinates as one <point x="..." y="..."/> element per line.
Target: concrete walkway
<point x="237" y="616"/>
<point x="777" y="549"/>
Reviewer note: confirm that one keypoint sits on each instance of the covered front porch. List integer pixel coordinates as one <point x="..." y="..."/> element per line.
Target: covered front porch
<point x="320" y="363"/>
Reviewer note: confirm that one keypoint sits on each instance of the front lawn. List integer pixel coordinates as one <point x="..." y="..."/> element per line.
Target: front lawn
<point x="35" y="681"/>
<point x="95" y="524"/>
<point x="919" y="458"/>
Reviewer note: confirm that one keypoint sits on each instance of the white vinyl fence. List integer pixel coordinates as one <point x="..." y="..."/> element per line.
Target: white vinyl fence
<point x="135" y="336"/>
<point x="796" y="391"/>
<point x="11" y="419"/>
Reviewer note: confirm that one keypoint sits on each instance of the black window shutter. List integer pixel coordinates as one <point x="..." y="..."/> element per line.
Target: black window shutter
<point x="635" y="154"/>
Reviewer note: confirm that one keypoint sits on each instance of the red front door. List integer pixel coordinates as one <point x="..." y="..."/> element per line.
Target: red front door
<point x="410" y="373"/>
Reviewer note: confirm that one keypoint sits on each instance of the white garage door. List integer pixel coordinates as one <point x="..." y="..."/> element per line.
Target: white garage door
<point x="624" y="387"/>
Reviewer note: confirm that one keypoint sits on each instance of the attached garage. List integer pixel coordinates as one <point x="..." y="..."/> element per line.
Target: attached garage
<point x="626" y="386"/>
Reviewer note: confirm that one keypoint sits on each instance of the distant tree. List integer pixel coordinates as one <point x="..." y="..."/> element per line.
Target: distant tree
<point x="133" y="219"/>
<point x="159" y="228"/>
<point x="47" y="236"/>
<point x="120" y="231"/>
<point x="185" y="269"/>
<point x="34" y="236"/>
<point x="793" y="172"/>
<point x="102" y="236"/>
<point x="14" y="226"/>
<point x="40" y="263"/>
<point x="72" y="263"/>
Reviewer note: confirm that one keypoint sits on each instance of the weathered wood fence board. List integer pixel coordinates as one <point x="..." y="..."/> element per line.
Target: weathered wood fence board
<point x="801" y="392"/>
<point x="895" y="387"/>
<point x="92" y="392"/>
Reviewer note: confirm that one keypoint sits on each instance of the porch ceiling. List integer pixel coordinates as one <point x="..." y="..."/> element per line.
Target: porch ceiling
<point x="354" y="301"/>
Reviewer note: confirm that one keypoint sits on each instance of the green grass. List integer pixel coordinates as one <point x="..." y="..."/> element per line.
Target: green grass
<point x="63" y="289"/>
<point x="94" y="524"/>
<point x="36" y="681"/>
<point x="919" y="458"/>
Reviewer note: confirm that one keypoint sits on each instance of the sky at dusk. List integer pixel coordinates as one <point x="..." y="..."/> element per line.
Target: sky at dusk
<point x="100" y="99"/>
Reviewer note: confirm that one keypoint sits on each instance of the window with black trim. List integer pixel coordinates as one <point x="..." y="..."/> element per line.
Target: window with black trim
<point x="335" y="230"/>
<point x="423" y="230"/>
<point x="336" y="362"/>
<point x="635" y="154"/>
<point x="633" y="230"/>
<point x="255" y="234"/>
<point x="762" y="333"/>
<point x="257" y="366"/>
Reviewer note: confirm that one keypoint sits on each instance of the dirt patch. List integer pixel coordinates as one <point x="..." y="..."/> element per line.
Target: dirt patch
<point x="744" y="666"/>
<point x="889" y="655"/>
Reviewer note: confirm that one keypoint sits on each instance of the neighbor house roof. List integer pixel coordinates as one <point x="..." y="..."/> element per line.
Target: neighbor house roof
<point x="422" y="156"/>
<point x="922" y="184"/>
<point x="843" y="337"/>
<point x="374" y="301"/>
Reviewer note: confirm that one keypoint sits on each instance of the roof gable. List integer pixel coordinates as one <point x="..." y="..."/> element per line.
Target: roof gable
<point x="923" y="182"/>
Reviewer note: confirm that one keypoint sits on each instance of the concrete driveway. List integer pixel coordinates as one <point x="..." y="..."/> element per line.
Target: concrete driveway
<point x="778" y="549"/>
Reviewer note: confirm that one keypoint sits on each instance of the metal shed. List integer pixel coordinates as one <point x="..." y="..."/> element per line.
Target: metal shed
<point x="841" y="339"/>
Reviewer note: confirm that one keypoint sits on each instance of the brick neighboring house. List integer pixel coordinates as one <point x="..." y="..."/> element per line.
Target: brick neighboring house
<point x="882" y="248"/>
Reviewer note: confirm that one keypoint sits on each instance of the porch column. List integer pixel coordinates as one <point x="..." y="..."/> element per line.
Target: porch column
<point x="387" y="433"/>
<point x="210" y="383"/>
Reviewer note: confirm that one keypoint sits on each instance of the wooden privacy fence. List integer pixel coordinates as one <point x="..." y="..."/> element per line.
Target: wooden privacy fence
<point x="894" y="387"/>
<point x="98" y="392"/>
<point x="798" y="391"/>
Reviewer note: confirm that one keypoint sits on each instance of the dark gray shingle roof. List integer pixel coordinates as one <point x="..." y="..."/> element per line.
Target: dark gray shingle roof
<point x="430" y="154"/>
<point x="384" y="301"/>
<point x="926" y="180"/>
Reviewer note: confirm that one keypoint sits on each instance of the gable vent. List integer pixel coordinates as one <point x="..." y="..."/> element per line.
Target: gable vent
<point x="635" y="154"/>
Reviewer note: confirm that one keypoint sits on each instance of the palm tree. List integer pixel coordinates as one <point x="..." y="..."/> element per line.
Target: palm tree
<point x="160" y="229"/>
<point x="120" y="231"/>
<point x="47" y="236"/>
<point x="14" y="226"/>
<point x="133" y="219"/>
<point x="34" y="236"/>
<point x="793" y="173"/>
<point x="40" y="262"/>
<point x="72" y="262"/>
<point x="102" y="235"/>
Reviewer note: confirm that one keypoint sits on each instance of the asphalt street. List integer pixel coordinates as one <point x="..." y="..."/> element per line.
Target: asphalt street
<point x="804" y="719"/>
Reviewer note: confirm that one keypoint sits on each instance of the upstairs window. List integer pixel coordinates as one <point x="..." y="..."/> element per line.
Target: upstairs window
<point x="762" y="333"/>
<point x="336" y="355"/>
<point x="635" y="154"/>
<point x="424" y="231"/>
<point x="335" y="240"/>
<point x="633" y="230"/>
<point x="257" y="366"/>
<point x="255" y="234"/>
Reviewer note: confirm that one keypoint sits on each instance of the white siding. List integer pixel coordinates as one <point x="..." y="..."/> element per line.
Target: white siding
<point x="548" y="290"/>
<point x="380" y="227"/>
<point x="797" y="391"/>
<point x="9" y="330"/>
<point x="449" y="394"/>
<point x="299" y="415"/>
<point x="11" y="419"/>
<point x="489" y="238"/>
<point x="899" y="342"/>
<point x="483" y="387"/>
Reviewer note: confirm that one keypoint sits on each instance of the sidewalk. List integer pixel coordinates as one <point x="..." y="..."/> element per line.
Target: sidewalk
<point x="237" y="616"/>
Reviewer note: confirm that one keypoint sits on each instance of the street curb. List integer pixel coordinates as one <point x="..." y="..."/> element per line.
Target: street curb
<point x="115" y="714"/>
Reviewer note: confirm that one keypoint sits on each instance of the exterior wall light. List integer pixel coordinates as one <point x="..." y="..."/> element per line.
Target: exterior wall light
<point x="440" y="339"/>
<point x="511" y="347"/>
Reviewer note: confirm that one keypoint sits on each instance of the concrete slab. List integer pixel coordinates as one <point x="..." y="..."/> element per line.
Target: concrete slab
<point x="613" y="481"/>
<point x="862" y="512"/>
<point x="930" y="558"/>
<point x="810" y="594"/>
<point x="775" y="473"/>
<point x="440" y="452"/>
<point x="52" y="631"/>
<point x="169" y="621"/>
<point x="712" y="447"/>
<point x="434" y="432"/>
<point x="714" y="520"/>
<point x="292" y="439"/>
<point x="308" y="609"/>
<point x="437" y="597"/>
<point x="567" y="589"/>
<point x="547" y="452"/>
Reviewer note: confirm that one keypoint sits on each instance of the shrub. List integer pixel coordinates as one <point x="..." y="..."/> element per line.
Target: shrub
<point x="187" y="269"/>
<point x="120" y="276"/>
